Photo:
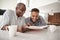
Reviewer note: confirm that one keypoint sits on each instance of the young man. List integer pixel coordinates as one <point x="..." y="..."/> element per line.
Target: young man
<point x="35" y="19"/>
<point x="16" y="17"/>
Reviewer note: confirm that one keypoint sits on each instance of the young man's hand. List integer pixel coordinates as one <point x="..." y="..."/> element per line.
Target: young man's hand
<point x="29" y="24"/>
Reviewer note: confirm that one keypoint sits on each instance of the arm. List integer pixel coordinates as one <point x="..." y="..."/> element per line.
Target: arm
<point x="43" y="21"/>
<point x="5" y="21"/>
<point x="22" y="29"/>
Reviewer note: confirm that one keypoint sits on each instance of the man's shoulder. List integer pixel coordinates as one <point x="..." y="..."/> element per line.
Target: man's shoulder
<point x="41" y="17"/>
<point x="9" y="13"/>
<point x="9" y="10"/>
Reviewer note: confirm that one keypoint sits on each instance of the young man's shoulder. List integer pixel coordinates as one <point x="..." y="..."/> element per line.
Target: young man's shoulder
<point x="27" y="18"/>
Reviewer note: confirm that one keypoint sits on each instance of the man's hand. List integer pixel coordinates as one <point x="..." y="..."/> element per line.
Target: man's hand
<point x="29" y="24"/>
<point x="22" y="29"/>
<point x="5" y="27"/>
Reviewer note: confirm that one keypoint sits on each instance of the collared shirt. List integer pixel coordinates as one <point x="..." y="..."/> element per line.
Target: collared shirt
<point x="39" y="22"/>
<point x="10" y="18"/>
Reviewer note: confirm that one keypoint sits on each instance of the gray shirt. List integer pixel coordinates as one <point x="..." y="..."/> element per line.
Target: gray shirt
<point x="39" y="22"/>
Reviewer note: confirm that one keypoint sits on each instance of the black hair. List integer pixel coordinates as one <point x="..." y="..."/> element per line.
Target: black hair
<point x="19" y="4"/>
<point x="35" y="10"/>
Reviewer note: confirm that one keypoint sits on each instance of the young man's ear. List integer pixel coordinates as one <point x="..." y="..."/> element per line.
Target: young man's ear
<point x="38" y="16"/>
<point x="16" y="8"/>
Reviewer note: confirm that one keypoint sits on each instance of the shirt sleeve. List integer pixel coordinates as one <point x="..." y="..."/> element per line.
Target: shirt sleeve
<point x="43" y="21"/>
<point x="5" y="19"/>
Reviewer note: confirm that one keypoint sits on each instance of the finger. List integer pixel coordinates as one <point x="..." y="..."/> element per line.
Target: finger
<point x="2" y="29"/>
<point x="28" y="24"/>
<point x="8" y="29"/>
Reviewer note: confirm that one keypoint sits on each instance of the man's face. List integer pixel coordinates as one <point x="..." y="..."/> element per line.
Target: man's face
<point x="20" y="11"/>
<point x="34" y="16"/>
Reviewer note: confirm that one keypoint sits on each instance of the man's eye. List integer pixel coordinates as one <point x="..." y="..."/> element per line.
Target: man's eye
<point x="33" y="16"/>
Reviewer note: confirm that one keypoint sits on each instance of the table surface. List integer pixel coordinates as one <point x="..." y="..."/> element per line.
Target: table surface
<point x="32" y="35"/>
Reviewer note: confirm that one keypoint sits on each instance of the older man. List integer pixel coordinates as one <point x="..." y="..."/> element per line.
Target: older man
<point x="16" y="17"/>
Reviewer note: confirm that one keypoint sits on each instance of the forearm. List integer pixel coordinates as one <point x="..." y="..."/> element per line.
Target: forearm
<point x="22" y="29"/>
<point x="19" y="29"/>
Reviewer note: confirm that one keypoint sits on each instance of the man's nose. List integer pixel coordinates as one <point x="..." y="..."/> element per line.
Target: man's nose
<point x="34" y="17"/>
<point x="20" y="11"/>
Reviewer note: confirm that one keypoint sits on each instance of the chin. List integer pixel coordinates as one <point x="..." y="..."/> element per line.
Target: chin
<point x="20" y="15"/>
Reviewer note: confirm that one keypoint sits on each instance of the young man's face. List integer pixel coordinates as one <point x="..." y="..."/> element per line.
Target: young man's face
<point x="20" y="11"/>
<point x="34" y="16"/>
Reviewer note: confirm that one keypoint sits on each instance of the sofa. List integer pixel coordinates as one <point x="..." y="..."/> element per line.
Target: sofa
<point x="1" y="13"/>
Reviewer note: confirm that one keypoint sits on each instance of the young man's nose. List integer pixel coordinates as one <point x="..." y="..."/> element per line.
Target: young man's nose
<point x="35" y="18"/>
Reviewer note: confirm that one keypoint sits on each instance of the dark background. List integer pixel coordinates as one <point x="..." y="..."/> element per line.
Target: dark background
<point x="2" y="11"/>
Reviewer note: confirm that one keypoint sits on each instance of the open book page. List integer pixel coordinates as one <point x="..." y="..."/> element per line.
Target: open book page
<point x="37" y="27"/>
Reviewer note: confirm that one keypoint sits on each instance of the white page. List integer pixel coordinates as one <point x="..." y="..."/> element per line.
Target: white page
<point x="37" y="27"/>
